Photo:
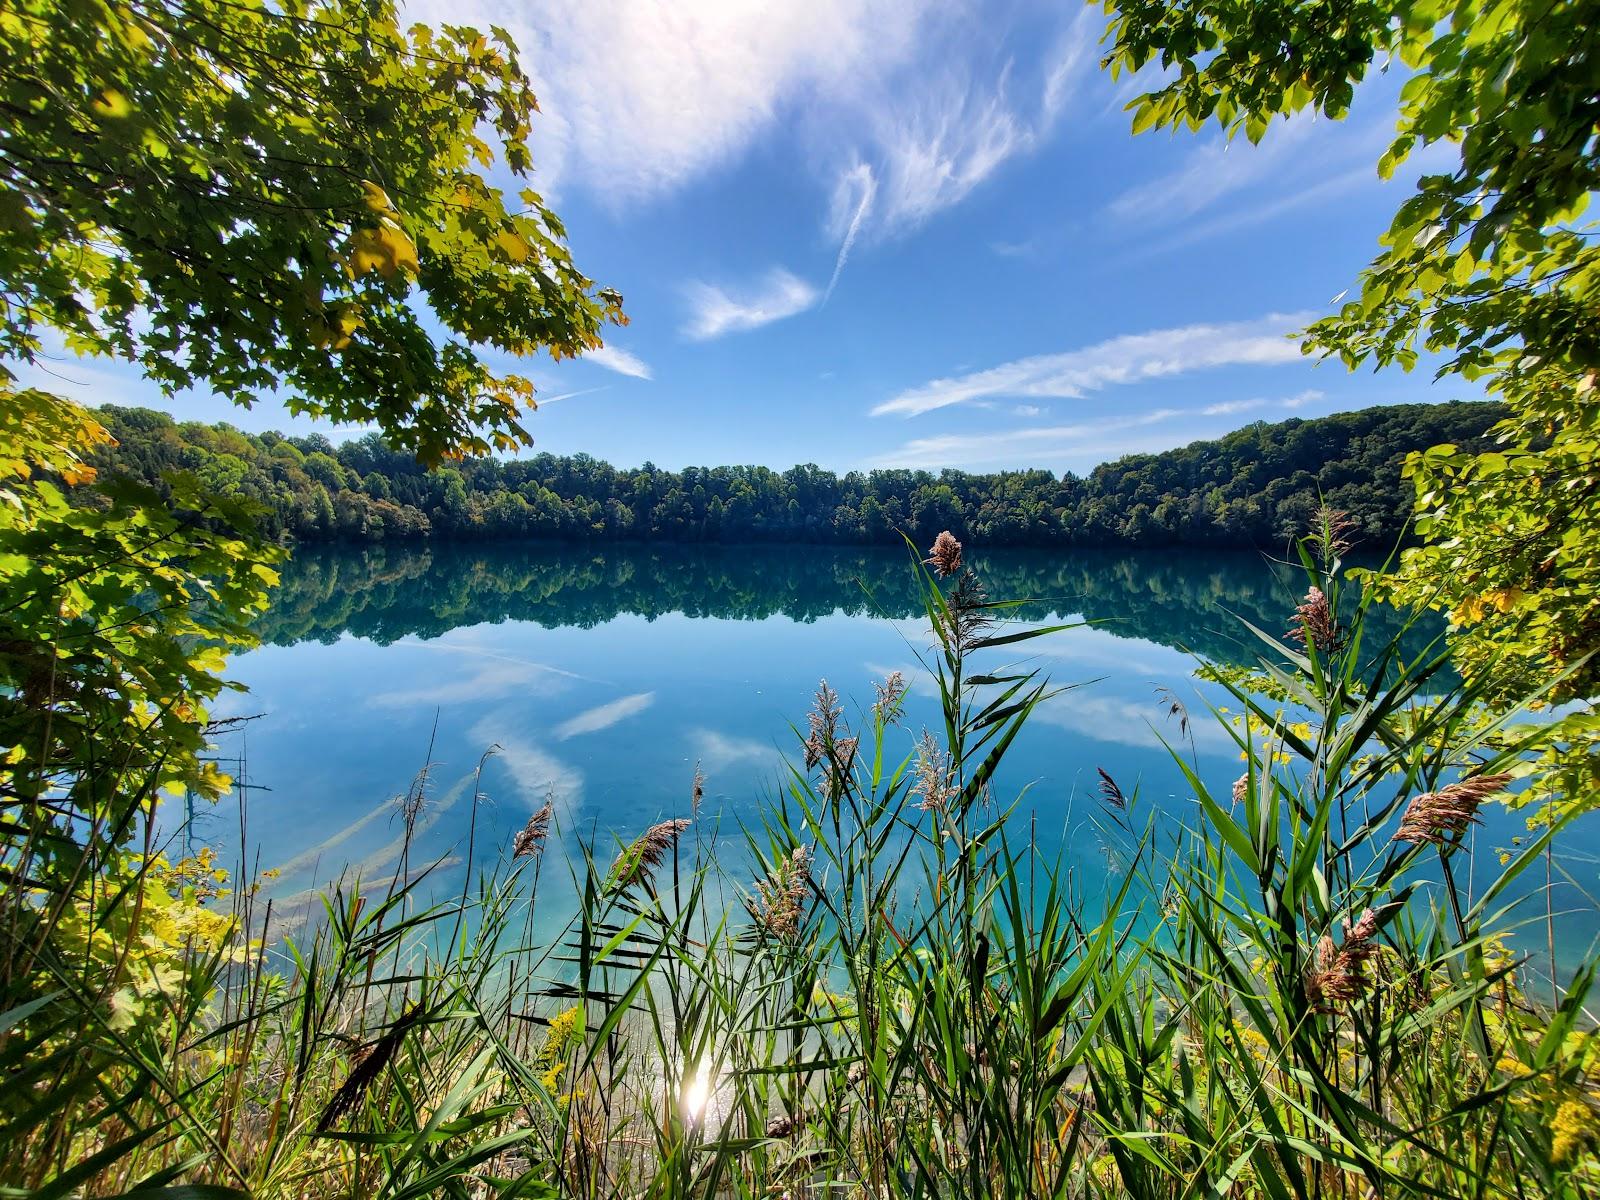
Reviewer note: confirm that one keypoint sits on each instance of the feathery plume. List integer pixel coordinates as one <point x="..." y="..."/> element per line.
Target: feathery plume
<point x="1313" y="623"/>
<point x="1338" y="974"/>
<point x="1241" y="789"/>
<point x="697" y="792"/>
<point x="890" y="693"/>
<point x="779" y="903"/>
<point x="828" y="742"/>
<point x="1365" y="928"/>
<point x="823" y="722"/>
<point x="934" y="786"/>
<point x="370" y="1061"/>
<point x="529" y="842"/>
<point x="1175" y="707"/>
<point x="968" y="615"/>
<point x="945" y="555"/>
<point x="1444" y="816"/>
<point x="1330" y="533"/>
<point x="639" y="860"/>
<point x="1110" y="792"/>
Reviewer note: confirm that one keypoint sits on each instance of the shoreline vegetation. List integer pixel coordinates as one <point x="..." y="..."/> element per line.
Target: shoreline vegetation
<point x="1255" y="487"/>
<point x="1287" y="994"/>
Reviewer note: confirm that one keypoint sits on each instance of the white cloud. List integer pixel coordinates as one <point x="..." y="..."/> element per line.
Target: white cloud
<point x="1127" y="359"/>
<point x="717" y="751"/>
<point x="1111" y="719"/>
<point x="535" y="772"/>
<point x="1210" y="172"/>
<point x="1028" y="410"/>
<point x="1301" y="162"/>
<point x="716" y="312"/>
<point x="1301" y="399"/>
<point x="497" y="675"/>
<point x="639" y="98"/>
<point x="604" y="716"/>
<point x="547" y="400"/>
<point x="1005" y="249"/>
<point x="936" y="133"/>
<point x="1228" y="407"/>
<point x="1081" y="442"/>
<point x="620" y="361"/>
<point x="908" y="106"/>
<point x="852" y="199"/>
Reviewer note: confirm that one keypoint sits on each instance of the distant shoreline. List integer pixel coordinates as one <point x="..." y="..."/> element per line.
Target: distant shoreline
<point x="1255" y="488"/>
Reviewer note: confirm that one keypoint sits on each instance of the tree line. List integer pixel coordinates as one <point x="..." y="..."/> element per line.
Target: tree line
<point x="1257" y="487"/>
<point x="386" y="592"/>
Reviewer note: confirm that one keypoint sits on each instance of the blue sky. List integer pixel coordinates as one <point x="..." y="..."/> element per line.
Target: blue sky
<point x="882" y="233"/>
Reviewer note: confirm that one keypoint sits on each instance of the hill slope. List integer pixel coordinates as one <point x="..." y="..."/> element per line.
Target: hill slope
<point x="1254" y="487"/>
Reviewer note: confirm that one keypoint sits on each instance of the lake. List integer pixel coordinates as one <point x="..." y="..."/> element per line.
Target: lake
<point x="605" y="675"/>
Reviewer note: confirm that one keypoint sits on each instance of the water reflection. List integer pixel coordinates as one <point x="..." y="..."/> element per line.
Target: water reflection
<point x="604" y="677"/>
<point x="1187" y="600"/>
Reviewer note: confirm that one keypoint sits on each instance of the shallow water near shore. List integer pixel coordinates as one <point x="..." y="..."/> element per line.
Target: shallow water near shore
<point x="602" y="677"/>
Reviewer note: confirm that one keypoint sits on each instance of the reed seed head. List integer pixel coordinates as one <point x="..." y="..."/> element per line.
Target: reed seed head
<point x="637" y="862"/>
<point x="1365" y="928"/>
<point x="1441" y="817"/>
<point x="1338" y="975"/>
<point x="1110" y="792"/>
<point x="945" y="555"/>
<point x="1313" y="623"/>
<point x="823" y="722"/>
<point x="969" y="612"/>
<point x="529" y="842"/>
<point x="1330" y="532"/>
<point x="369" y="1062"/>
<point x="890" y="694"/>
<point x="934" y="787"/>
<point x="1241" y="789"/>
<point x="778" y="907"/>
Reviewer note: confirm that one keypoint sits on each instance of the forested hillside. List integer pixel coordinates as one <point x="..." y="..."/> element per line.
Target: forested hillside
<point x="1255" y="487"/>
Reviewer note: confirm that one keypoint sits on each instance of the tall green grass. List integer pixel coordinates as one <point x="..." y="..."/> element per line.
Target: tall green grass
<point x="1277" y="997"/>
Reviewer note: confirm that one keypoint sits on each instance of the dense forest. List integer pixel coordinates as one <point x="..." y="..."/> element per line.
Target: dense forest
<point x="1255" y="487"/>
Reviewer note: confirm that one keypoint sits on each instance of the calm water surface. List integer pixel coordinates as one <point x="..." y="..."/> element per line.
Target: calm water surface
<point x="604" y="676"/>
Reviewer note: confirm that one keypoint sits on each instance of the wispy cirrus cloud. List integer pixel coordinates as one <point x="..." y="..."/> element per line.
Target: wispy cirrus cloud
<point x="715" y="311"/>
<point x="1130" y="358"/>
<point x="535" y="772"/>
<point x="1215" y="170"/>
<point x="486" y="675"/>
<point x="639" y="99"/>
<point x="852" y="201"/>
<point x="559" y="396"/>
<point x="907" y="106"/>
<point x="1228" y="408"/>
<point x="604" y="716"/>
<point x="1115" y="719"/>
<point x="718" y="751"/>
<point x="1034" y="445"/>
<point x="612" y="358"/>
<point x="934" y="134"/>
<point x="1223" y="185"/>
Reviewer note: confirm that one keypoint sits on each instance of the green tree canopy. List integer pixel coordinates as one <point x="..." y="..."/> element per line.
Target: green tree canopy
<point x="1489" y="265"/>
<point x="284" y="196"/>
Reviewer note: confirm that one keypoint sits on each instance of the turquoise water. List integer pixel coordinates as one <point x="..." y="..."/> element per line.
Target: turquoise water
<point x="604" y="676"/>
